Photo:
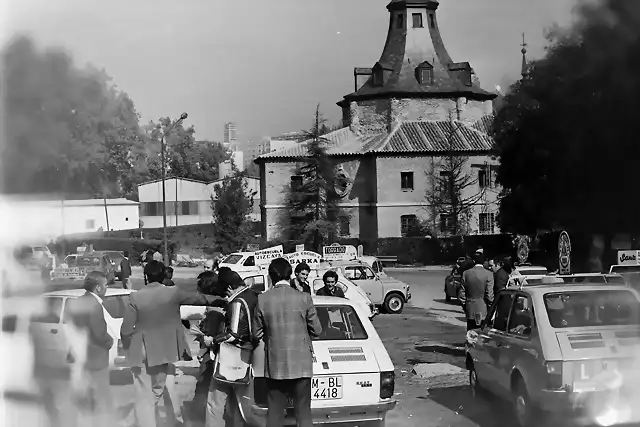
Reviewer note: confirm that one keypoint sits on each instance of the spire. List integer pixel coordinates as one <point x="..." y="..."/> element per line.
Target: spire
<point x="525" y="67"/>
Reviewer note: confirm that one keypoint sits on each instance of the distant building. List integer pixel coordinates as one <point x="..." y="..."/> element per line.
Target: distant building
<point x="188" y="201"/>
<point x="229" y="134"/>
<point x="53" y="218"/>
<point x="270" y="144"/>
<point x="416" y="107"/>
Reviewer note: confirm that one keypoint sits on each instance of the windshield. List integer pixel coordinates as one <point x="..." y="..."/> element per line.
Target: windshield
<point x="584" y="279"/>
<point x="621" y="269"/>
<point x="232" y="259"/>
<point x="88" y="261"/>
<point x="339" y="322"/>
<point x="592" y="308"/>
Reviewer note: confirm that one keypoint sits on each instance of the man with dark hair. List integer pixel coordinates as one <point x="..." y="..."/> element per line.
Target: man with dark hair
<point x="237" y="332"/>
<point x="152" y="333"/>
<point x="87" y="314"/>
<point x="125" y="270"/>
<point x="330" y="288"/>
<point x="287" y="321"/>
<point x="501" y="277"/>
<point x="300" y="281"/>
<point x="476" y="292"/>
<point x="168" y="277"/>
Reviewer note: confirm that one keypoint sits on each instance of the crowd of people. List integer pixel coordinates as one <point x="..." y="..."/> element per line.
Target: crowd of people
<point x="237" y="320"/>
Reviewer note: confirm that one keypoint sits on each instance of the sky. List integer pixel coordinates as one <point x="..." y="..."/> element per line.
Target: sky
<point x="265" y="64"/>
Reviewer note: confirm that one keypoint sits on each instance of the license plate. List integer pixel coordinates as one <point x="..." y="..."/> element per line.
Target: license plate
<point x="323" y="388"/>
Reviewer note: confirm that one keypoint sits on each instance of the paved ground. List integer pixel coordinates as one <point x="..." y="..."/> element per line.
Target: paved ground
<point x="428" y="331"/>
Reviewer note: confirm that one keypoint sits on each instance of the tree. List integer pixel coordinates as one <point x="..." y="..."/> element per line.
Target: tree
<point x="67" y="130"/>
<point x="567" y="135"/>
<point x="232" y="204"/>
<point x="313" y="210"/>
<point x="451" y="191"/>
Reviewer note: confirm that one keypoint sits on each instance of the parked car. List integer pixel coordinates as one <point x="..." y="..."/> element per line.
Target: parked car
<point x="353" y="382"/>
<point x="385" y="292"/>
<point x="555" y="347"/>
<point x="375" y="264"/>
<point x="49" y="326"/>
<point x="85" y="263"/>
<point x="240" y="262"/>
<point x="631" y="274"/>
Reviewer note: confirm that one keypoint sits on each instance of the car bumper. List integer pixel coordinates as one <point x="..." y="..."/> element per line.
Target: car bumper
<point x="583" y="408"/>
<point x="340" y="414"/>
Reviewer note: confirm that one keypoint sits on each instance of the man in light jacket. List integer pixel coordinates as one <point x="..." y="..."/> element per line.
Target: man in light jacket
<point x="287" y="321"/>
<point x="476" y="292"/>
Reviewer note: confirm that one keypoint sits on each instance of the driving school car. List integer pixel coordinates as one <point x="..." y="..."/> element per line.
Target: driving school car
<point x="564" y="349"/>
<point x="353" y="380"/>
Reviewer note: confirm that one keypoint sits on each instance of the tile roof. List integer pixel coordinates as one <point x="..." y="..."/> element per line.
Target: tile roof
<point x="484" y="124"/>
<point x="416" y="137"/>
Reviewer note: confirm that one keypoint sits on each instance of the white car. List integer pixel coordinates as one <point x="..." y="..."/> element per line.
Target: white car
<point x="353" y="380"/>
<point x="240" y="262"/>
<point x="50" y="327"/>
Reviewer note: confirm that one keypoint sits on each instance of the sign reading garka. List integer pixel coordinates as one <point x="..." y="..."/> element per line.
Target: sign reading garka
<point x="312" y="259"/>
<point x="337" y="252"/>
<point x="265" y="256"/>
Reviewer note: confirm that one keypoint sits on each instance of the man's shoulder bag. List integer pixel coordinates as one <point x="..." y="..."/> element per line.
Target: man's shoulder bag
<point x="232" y="364"/>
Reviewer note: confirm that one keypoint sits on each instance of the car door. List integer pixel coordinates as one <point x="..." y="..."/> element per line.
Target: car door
<point x="48" y="329"/>
<point x="365" y="278"/>
<point x="492" y="340"/>
<point x="257" y="283"/>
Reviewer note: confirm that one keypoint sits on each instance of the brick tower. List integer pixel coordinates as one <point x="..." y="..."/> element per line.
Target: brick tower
<point x="415" y="78"/>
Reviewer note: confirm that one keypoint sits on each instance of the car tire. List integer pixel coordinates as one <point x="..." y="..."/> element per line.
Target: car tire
<point x="393" y="303"/>
<point x="524" y="410"/>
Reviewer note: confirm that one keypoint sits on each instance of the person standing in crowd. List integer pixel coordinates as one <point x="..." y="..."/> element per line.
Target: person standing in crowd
<point x="125" y="269"/>
<point x="501" y="277"/>
<point x="209" y="265"/>
<point x="237" y="331"/>
<point x="330" y="288"/>
<point x="210" y="326"/>
<point x="476" y="292"/>
<point x="287" y="321"/>
<point x="154" y="338"/>
<point x="87" y="314"/>
<point x="168" y="279"/>
<point x="157" y="256"/>
<point x="300" y="282"/>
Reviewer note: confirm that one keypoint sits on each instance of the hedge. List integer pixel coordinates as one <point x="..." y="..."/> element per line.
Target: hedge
<point x="135" y="246"/>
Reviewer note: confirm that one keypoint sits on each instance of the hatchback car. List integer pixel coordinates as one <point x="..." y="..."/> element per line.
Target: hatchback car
<point x="240" y="262"/>
<point x="555" y="347"/>
<point x="353" y="380"/>
<point x="50" y="326"/>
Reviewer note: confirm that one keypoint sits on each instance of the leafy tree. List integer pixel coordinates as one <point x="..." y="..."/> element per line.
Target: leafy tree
<point x="67" y="130"/>
<point x="232" y="203"/>
<point x="451" y="191"/>
<point x="313" y="209"/>
<point x="567" y="135"/>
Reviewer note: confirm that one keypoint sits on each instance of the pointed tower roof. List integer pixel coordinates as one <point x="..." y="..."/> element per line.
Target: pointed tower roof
<point x="524" y="71"/>
<point x="414" y="62"/>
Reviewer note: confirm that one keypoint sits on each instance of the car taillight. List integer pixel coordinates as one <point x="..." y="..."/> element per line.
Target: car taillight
<point x="387" y="384"/>
<point x="260" y="391"/>
<point x="554" y="375"/>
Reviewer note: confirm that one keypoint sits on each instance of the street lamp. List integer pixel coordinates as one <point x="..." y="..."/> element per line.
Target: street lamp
<point x="164" y="197"/>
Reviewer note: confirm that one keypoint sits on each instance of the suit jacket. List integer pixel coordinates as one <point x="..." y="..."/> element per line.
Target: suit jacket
<point x="87" y="314"/>
<point x="500" y="280"/>
<point x="152" y="327"/>
<point x="125" y="268"/>
<point x="476" y="292"/>
<point x="237" y="320"/>
<point x="287" y="320"/>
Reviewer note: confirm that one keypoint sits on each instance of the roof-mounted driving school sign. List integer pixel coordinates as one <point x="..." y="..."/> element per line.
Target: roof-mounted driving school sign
<point x="629" y="257"/>
<point x="337" y="252"/>
<point x="312" y="259"/>
<point x="564" y="253"/>
<point x="265" y="256"/>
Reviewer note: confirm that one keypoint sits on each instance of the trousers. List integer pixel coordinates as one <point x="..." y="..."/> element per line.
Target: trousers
<point x="150" y="383"/>
<point x="299" y="389"/>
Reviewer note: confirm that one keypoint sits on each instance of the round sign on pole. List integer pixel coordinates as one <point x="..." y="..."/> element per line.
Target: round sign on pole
<point x="564" y="253"/>
<point x="522" y="244"/>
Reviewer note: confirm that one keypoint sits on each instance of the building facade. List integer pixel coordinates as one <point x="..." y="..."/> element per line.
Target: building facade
<point x="229" y="137"/>
<point x="416" y="110"/>
<point x="53" y="218"/>
<point x="188" y="201"/>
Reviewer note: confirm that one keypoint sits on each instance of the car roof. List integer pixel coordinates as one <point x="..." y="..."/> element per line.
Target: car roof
<point x="543" y="288"/>
<point x="352" y="262"/>
<point x="322" y="300"/>
<point x="240" y="253"/>
<point x="75" y="293"/>
<point x="582" y="275"/>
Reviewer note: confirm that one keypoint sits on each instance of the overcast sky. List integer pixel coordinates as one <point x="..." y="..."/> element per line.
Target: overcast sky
<point x="265" y="64"/>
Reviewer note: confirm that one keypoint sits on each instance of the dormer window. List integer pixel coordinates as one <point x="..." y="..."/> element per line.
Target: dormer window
<point x="424" y="73"/>
<point x="400" y="21"/>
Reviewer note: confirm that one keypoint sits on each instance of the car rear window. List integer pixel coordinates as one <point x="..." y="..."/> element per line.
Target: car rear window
<point x="232" y="259"/>
<point x="584" y="279"/>
<point x="616" y="280"/>
<point x="89" y="261"/>
<point x="340" y="323"/>
<point x="573" y="309"/>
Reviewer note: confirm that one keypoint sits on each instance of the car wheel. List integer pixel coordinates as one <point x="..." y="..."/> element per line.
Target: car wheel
<point x="393" y="303"/>
<point x="523" y="408"/>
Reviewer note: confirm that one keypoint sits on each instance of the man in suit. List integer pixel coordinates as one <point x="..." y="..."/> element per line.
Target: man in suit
<point x="476" y="292"/>
<point x="501" y="277"/>
<point x="87" y="315"/>
<point x="287" y="321"/>
<point x="330" y="288"/>
<point x="153" y="334"/>
<point x="125" y="270"/>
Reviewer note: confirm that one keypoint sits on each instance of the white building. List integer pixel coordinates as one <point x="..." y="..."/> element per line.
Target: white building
<point x="190" y="199"/>
<point x="52" y="218"/>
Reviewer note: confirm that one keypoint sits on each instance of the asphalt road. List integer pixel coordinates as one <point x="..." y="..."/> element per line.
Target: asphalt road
<point x="428" y="331"/>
